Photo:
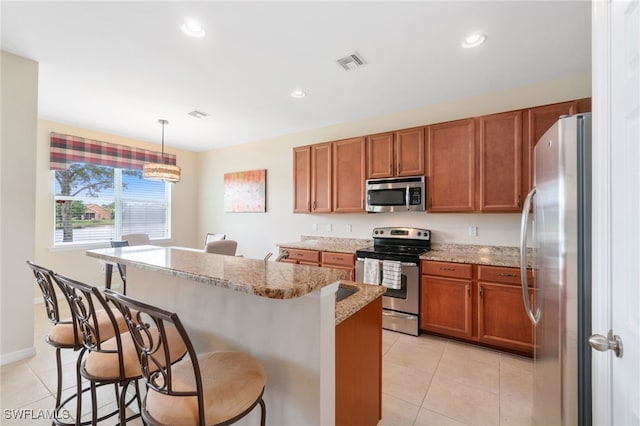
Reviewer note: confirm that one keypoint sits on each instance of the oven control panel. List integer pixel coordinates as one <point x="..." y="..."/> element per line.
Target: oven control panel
<point x="402" y="233"/>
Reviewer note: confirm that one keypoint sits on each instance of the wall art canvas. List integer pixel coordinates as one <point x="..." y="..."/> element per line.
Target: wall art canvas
<point x="245" y="191"/>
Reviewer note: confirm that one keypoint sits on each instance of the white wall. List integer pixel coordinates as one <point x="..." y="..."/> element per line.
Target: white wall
<point x="17" y="209"/>
<point x="73" y="261"/>
<point x="258" y="233"/>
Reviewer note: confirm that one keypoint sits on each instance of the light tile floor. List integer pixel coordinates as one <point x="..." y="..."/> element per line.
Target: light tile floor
<point x="426" y="381"/>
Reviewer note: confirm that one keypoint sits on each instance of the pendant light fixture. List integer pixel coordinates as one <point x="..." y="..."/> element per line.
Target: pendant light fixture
<point x="161" y="171"/>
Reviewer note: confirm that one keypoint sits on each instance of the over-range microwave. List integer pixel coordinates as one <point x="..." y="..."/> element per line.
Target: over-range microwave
<point x="396" y="194"/>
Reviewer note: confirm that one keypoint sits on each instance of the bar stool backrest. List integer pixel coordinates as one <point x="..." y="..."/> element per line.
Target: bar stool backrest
<point x="147" y="325"/>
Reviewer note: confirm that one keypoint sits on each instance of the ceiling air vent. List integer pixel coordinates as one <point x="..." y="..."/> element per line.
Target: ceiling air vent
<point x="352" y="61"/>
<point x="197" y="114"/>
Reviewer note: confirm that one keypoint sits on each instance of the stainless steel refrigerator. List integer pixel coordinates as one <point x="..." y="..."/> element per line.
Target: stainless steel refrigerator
<point x="556" y="226"/>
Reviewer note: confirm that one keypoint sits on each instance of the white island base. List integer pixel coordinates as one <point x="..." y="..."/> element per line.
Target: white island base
<point x="293" y="338"/>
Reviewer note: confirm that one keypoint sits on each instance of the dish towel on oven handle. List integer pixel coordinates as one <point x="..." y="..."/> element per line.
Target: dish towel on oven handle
<point x="392" y="274"/>
<point x="371" y="271"/>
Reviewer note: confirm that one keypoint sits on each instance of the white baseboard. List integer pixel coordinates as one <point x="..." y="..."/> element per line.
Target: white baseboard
<point x="17" y="356"/>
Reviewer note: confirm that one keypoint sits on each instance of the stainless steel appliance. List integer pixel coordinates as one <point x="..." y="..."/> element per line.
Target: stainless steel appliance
<point x="400" y="307"/>
<point x="561" y="201"/>
<point x="396" y="194"/>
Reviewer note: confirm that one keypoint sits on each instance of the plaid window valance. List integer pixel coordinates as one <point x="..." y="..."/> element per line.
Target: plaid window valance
<point x="66" y="149"/>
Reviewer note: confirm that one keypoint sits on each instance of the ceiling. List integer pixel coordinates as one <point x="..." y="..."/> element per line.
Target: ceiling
<point x="118" y="67"/>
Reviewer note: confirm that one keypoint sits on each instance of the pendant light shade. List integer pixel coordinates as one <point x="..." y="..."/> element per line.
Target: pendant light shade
<point x="161" y="171"/>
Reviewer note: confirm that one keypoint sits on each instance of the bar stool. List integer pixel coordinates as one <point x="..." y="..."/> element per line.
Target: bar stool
<point x="65" y="334"/>
<point x="62" y="335"/>
<point x="113" y="360"/>
<point x="214" y="388"/>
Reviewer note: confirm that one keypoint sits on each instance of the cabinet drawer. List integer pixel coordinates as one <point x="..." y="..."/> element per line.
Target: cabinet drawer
<point x="447" y="269"/>
<point x="338" y="259"/>
<point x="304" y="255"/>
<point x="498" y="274"/>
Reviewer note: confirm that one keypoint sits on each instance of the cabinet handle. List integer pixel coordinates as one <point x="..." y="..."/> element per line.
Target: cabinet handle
<point x="468" y="290"/>
<point x="398" y="172"/>
<point x="518" y="200"/>
<point x="481" y="292"/>
<point x="314" y="205"/>
<point x="442" y="268"/>
<point x="308" y="206"/>
<point x="430" y="202"/>
<point x="338" y="258"/>
<point x="502" y="274"/>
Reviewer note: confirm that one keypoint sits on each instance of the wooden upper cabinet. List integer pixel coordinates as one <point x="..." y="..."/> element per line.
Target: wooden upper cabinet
<point x="399" y="153"/>
<point x="348" y="175"/>
<point x="380" y="161"/>
<point x="302" y="179"/>
<point x="500" y="140"/>
<point x="321" y="177"/>
<point x="451" y="171"/>
<point x="536" y="122"/>
<point x="409" y="152"/>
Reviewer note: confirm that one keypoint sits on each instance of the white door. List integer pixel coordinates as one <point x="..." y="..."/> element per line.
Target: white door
<point x="616" y="251"/>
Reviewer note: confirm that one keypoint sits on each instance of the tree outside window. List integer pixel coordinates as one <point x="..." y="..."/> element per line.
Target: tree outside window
<point x="98" y="204"/>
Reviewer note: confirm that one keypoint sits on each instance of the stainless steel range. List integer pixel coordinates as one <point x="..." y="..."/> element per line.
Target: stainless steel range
<point x="394" y="247"/>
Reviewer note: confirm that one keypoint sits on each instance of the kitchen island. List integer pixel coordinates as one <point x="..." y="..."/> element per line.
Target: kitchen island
<point x="283" y="314"/>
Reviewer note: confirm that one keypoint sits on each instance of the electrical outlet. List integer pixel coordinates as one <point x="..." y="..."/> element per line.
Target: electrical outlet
<point x="349" y="228"/>
<point x="314" y="226"/>
<point x="329" y="227"/>
<point x="473" y="231"/>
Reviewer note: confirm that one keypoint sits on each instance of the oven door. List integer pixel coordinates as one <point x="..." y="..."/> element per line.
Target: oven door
<point x="407" y="297"/>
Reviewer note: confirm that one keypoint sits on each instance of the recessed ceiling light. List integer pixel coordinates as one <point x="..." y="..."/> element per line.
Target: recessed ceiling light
<point x="298" y="93"/>
<point x="474" y="40"/>
<point x="192" y="28"/>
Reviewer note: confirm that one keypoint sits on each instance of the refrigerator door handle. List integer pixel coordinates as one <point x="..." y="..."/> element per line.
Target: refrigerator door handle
<point x="534" y="317"/>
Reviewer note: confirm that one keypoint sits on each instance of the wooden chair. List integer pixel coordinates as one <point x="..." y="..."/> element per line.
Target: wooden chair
<point x="213" y="388"/>
<point x="226" y="247"/>
<point x="107" y="361"/>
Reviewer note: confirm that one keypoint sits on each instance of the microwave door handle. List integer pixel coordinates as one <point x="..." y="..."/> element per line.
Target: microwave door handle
<point x="407" y="196"/>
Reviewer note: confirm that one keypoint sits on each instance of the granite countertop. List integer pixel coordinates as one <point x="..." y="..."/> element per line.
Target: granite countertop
<point x="479" y="255"/>
<point x="338" y="245"/>
<point x="275" y="280"/>
<point x="352" y="304"/>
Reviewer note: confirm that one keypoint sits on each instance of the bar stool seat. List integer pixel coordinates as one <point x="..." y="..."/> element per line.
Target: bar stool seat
<point x="232" y="382"/>
<point x="63" y="333"/>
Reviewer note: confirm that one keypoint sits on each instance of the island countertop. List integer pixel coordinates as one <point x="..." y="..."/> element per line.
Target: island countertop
<point x="273" y="280"/>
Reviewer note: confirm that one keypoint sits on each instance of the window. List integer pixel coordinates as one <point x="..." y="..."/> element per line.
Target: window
<point x="95" y="203"/>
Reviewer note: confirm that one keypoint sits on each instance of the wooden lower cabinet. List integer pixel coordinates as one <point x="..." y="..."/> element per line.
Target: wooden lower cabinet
<point x="344" y="261"/>
<point x="359" y="367"/>
<point x="446" y="306"/>
<point x="501" y="317"/>
<point x="340" y="261"/>
<point x="476" y="303"/>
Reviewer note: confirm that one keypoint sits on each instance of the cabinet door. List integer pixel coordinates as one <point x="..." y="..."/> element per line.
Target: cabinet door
<point x="501" y="317"/>
<point x="409" y="152"/>
<point x="446" y="306"/>
<point x="321" y="178"/>
<point x="451" y="174"/>
<point x="536" y="122"/>
<point x="343" y="261"/>
<point x="501" y="162"/>
<point x="302" y="179"/>
<point x="348" y="175"/>
<point x="380" y="156"/>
